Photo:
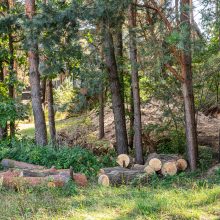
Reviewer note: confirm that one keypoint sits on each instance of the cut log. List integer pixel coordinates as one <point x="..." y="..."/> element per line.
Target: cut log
<point x="110" y="169"/>
<point x="122" y="177"/>
<point x="38" y="173"/>
<point x="163" y="157"/>
<point x="138" y="167"/>
<point x="17" y="178"/>
<point x="19" y="182"/>
<point x="80" y="179"/>
<point x="149" y="170"/>
<point x="103" y="180"/>
<point x="169" y="168"/>
<point x="156" y="164"/>
<point x="8" y="163"/>
<point x="181" y="164"/>
<point x="123" y="160"/>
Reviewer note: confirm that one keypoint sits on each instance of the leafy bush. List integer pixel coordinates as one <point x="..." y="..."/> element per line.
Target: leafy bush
<point x="82" y="160"/>
<point x="205" y="158"/>
<point x="175" y="143"/>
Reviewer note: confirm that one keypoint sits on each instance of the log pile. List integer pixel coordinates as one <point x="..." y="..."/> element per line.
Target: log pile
<point x="127" y="171"/>
<point x="19" y="174"/>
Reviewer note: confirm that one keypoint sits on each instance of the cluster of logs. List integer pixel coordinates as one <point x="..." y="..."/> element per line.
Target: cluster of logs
<point x="19" y="174"/>
<point x="127" y="171"/>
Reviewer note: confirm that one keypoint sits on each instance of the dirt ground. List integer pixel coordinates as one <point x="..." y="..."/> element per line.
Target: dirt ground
<point x="207" y="126"/>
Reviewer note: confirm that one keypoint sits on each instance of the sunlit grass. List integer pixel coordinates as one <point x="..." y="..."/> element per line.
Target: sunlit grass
<point x="193" y="201"/>
<point x="27" y="129"/>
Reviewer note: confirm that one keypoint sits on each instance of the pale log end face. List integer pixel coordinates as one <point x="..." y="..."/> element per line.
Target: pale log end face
<point x="169" y="168"/>
<point x="103" y="180"/>
<point x="156" y="164"/>
<point x="149" y="170"/>
<point x="181" y="164"/>
<point x="123" y="160"/>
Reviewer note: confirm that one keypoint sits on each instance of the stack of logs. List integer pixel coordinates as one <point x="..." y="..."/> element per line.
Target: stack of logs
<point x="127" y="171"/>
<point x="19" y="174"/>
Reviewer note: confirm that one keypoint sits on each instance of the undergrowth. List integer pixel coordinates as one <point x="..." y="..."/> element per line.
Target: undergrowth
<point x="81" y="159"/>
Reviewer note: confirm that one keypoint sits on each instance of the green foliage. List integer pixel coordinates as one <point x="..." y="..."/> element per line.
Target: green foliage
<point x="63" y="96"/>
<point x="10" y="109"/>
<point x="173" y="143"/>
<point x="205" y="158"/>
<point x="82" y="160"/>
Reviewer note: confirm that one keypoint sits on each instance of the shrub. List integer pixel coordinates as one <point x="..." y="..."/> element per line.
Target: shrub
<point x="81" y="159"/>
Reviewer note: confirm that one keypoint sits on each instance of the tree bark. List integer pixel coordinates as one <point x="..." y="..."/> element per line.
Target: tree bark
<point x="3" y="131"/>
<point x="43" y="89"/>
<point x="51" y="113"/>
<point x="11" y="76"/>
<point x="11" y="70"/>
<point x="131" y="133"/>
<point x="135" y="85"/>
<point x="101" y="114"/>
<point x="187" y="87"/>
<point x="119" y="55"/>
<point x="34" y="78"/>
<point x="117" y="101"/>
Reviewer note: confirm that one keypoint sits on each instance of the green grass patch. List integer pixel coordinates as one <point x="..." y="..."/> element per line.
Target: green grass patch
<point x="151" y="202"/>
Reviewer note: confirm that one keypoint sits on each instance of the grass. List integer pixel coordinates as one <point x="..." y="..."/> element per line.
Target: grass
<point x="179" y="198"/>
<point x="27" y="129"/>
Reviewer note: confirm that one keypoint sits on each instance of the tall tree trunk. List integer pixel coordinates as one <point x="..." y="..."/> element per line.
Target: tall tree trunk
<point x="11" y="69"/>
<point x="117" y="101"/>
<point x="135" y="85"/>
<point x="3" y="129"/>
<point x="119" y="55"/>
<point x="11" y="76"/>
<point x="51" y="113"/>
<point x="187" y="87"/>
<point x="43" y="89"/>
<point x="34" y="78"/>
<point x="131" y="133"/>
<point x="177" y="11"/>
<point x="101" y="114"/>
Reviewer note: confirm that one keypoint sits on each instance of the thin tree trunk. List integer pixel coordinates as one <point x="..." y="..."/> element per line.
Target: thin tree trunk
<point x="43" y="89"/>
<point x="135" y="86"/>
<point x="12" y="76"/>
<point x="34" y="78"/>
<point x="117" y="101"/>
<point x="177" y="11"/>
<point x="119" y="55"/>
<point x="3" y="131"/>
<point x="131" y="134"/>
<point x="187" y="87"/>
<point x="51" y="113"/>
<point x="101" y="114"/>
<point x="11" y="70"/>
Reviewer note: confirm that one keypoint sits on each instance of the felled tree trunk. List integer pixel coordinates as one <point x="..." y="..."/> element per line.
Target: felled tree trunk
<point x="110" y="169"/>
<point x="8" y="163"/>
<point x="167" y="164"/>
<point x="52" y="177"/>
<point x="121" y="177"/>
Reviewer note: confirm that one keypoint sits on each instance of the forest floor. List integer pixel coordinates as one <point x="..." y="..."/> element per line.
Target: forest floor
<point x="167" y="200"/>
<point x="83" y="129"/>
